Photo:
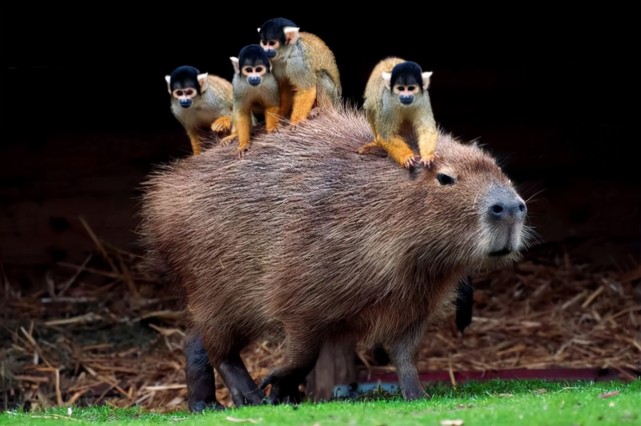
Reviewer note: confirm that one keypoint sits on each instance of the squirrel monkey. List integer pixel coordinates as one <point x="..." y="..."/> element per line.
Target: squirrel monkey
<point x="304" y="67"/>
<point x="398" y="109"/>
<point x="200" y="102"/>
<point x="255" y="92"/>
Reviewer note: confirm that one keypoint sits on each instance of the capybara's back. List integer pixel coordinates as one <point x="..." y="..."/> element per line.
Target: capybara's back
<point x="307" y="239"/>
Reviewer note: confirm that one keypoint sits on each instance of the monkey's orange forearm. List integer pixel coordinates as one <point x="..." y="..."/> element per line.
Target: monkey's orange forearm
<point x="397" y="149"/>
<point x="271" y="118"/>
<point x="427" y="142"/>
<point x="195" y="142"/>
<point x="244" y="128"/>
<point x="303" y="103"/>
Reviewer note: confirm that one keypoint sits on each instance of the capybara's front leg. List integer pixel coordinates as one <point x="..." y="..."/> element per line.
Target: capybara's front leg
<point x="242" y="388"/>
<point x="201" y="389"/>
<point x="402" y="352"/>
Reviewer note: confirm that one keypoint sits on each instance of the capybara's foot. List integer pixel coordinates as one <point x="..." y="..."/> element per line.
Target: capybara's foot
<point x="200" y="406"/>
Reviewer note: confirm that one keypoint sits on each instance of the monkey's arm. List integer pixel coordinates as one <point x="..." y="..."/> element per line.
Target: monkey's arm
<point x="196" y="143"/>
<point x="398" y="149"/>
<point x="427" y="136"/>
<point x="243" y="124"/>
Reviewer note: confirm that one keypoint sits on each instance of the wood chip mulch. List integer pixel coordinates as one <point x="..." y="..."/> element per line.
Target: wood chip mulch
<point x="103" y="332"/>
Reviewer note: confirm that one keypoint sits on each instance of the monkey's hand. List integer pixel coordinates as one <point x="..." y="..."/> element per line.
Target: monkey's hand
<point x="241" y="152"/>
<point x="315" y="112"/>
<point x="221" y="124"/>
<point x="228" y="139"/>
<point x="427" y="161"/>
<point x="411" y="162"/>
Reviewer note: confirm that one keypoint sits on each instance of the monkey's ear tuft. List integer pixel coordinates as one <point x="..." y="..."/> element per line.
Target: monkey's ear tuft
<point x="258" y="29"/>
<point x="168" y="80"/>
<point x="202" y="80"/>
<point x="426" y="79"/>
<point x="234" y="62"/>
<point x="387" y="78"/>
<point x="291" y="34"/>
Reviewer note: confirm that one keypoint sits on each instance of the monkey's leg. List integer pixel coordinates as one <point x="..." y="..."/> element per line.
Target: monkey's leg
<point x="303" y="102"/>
<point x="194" y="138"/>
<point x="399" y="151"/>
<point x="367" y="147"/>
<point x="221" y="124"/>
<point x="244" y="129"/>
<point x="286" y="94"/>
<point x="300" y="355"/>
<point x="427" y="137"/>
<point x="271" y="118"/>
<point x="201" y="386"/>
<point x="242" y="388"/>
<point x="402" y="353"/>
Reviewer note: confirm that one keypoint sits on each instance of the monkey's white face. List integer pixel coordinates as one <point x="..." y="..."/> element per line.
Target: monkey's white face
<point x="406" y="93"/>
<point x="184" y="96"/>
<point x="271" y="48"/>
<point x="254" y="75"/>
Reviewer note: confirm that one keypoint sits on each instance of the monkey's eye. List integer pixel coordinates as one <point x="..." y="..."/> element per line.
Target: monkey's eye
<point x="411" y="88"/>
<point x="258" y="69"/>
<point x="400" y="88"/>
<point x="271" y="43"/>
<point x="248" y="70"/>
<point x="444" y="179"/>
<point x="189" y="92"/>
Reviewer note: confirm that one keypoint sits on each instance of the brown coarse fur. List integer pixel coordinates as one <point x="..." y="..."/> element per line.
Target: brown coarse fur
<point x="306" y="239"/>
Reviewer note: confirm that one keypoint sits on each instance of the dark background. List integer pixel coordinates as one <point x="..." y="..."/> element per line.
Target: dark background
<point x="85" y="111"/>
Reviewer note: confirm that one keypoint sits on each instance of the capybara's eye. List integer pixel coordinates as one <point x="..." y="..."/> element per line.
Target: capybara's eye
<point x="444" y="179"/>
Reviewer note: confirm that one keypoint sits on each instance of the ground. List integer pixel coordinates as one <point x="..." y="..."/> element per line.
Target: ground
<point x="103" y="332"/>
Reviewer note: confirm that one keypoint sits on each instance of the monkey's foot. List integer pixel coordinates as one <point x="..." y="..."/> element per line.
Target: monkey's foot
<point x="365" y="149"/>
<point x="221" y="124"/>
<point x="228" y="139"/>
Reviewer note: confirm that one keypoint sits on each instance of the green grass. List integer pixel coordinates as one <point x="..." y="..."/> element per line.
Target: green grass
<point x="489" y="403"/>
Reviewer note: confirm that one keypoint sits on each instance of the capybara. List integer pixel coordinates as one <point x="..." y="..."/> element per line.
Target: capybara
<point x="304" y="240"/>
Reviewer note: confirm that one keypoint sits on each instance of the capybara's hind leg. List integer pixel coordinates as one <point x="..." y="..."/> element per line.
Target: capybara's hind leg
<point x="242" y="388"/>
<point x="201" y="389"/>
<point x="301" y="355"/>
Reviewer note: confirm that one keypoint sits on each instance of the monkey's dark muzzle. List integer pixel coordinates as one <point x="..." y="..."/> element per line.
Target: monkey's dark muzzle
<point x="185" y="103"/>
<point x="254" y="81"/>
<point x="406" y="100"/>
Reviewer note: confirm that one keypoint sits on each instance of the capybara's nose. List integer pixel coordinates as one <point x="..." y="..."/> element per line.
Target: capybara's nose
<point x="508" y="210"/>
